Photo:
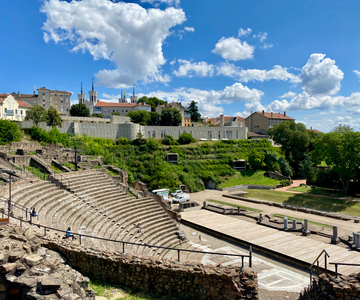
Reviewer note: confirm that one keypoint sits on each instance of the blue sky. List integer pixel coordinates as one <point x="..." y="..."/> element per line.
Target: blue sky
<point x="232" y="57"/>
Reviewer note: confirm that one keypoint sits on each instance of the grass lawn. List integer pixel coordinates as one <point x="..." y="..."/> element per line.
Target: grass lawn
<point x="234" y="205"/>
<point x="116" y="293"/>
<point x="249" y="177"/>
<point x="297" y="219"/>
<point x="309" y="201"/>
<point x="319" y="191"/>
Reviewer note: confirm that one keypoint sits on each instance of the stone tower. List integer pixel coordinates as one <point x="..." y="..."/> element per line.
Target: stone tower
<point x="81" y="96"/>
<point x="133" y="98"/>
<point x="93" y="95"/>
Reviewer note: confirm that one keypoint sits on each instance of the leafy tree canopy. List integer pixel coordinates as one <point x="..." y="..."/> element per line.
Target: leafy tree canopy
<point x="53" y="118"/>
<point x="294" y="139"/>
<point x="139" y="116"/>
<point x="37" y="114"/>
<point x="9" y="132"/>
<point x="98" y="115"/>
<point x="79" y="110"/>
<point x="193" y="110"/>
<point x="115" y="113"/>
<point x="341" y="151"/>
<point x="342" y="129"/>
<point x="152" y="101"/>
<point x="170" y="117"/>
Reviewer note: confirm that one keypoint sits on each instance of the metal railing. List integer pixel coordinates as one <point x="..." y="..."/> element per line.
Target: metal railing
<point x="124" y="243"/>
<point x="341" y="264"/>
<point x="326" y="255"/>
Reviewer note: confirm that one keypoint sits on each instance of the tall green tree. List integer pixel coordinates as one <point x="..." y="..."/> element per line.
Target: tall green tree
<point x="139" y="116"/>
<point x="53" y="118"/>
<point x="294" y="140"/>
<point x="9" y="132"/>
<point x="170" y="117"/>
<point x="37" y="114"/>
<point x="152" y="101"/>
<point x="341" y="151"/>
<point x="79" y="110"/>
<point x="193" y="110"/>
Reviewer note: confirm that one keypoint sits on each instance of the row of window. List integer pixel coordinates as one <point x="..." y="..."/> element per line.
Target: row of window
<point x="226" y="134"/>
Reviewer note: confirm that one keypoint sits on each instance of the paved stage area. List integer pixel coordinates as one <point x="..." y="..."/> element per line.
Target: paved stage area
<point x="289" y="245"/>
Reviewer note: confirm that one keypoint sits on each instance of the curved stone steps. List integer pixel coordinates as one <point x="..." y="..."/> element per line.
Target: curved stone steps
<point x="95" y="194"/>
<point x="88" y="189"/>
<point x="44" y="206"/>
<point x="170" y="241"/>
<point x="47" y="198"/>
<point x="22" y="191"/>
<point x="40" y="194"/>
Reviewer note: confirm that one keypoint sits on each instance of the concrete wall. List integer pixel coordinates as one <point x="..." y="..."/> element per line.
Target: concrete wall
<point x="158" y="132"/>
<point x="131" y="130"/>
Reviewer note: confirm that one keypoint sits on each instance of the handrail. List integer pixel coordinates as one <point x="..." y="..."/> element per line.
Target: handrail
<point x="139" y="244"/>
<point x="317" y="263"/>
<point x="341" y="264"/>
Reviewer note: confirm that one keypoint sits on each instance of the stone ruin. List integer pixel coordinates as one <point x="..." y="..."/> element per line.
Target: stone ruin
<point x="30" y="271"/>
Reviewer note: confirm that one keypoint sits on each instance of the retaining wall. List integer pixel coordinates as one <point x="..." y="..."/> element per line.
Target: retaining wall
<point x="246" y="187"/>
<point x="165" y="277"/>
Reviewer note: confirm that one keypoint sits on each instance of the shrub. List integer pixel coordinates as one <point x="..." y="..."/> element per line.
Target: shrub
<point x="168" y="140"/>
<point x="186" y="138"/>
<point x="285" y="182"/>
<point x="9" y="132"/>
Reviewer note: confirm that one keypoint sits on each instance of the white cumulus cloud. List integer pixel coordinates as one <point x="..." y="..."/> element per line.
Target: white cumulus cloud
<point x="209" y="101"/>
<point x="189" y="29"/>
<point x="190" y="69"/>
<point x="233" y="49"/>
<point x="158" y="2"/>
<point x="288" y="95"/>
<point x="321" y="76"/>
<point x="109" y="31"/>
<point x="244" y="32"/>
<point x="357" y="73"/>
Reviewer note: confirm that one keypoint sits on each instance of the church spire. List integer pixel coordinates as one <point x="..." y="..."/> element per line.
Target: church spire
<point x="81" y="88"/>
<point x="133" y="90"/>
<point x="92" y="84"/>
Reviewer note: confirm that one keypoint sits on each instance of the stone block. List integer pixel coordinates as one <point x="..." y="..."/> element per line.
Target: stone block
<point x="33" y="259"/>
<point x="3" y="258"/>
<point x="16" y="255"/>
<point x="18" y="237"/>
<point x="29" y="233"/>
<point x="5" y="268"/>
<point x="27" y="282"/>
<point x="50" y="284"/>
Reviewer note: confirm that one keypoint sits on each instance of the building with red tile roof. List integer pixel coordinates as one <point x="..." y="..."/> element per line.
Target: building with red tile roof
<point x="12" y="109"/>
<point x="262" y="121"/>
<point x="228" y="121"/>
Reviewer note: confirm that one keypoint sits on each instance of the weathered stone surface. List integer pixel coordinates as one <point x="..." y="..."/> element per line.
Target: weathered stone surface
<point x="18" y="237"/>
<point x="29" y="234"/>
<point x="50" y="284"/>
<point x="5" y="268"/>
<point x="15" y="255"/>
<point x="28" y="282"/>
<point x="3" y="258"/>
<point x="33" y="259"/>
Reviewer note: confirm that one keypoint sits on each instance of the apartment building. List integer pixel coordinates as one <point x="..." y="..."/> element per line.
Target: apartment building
<point x="262" y="121"/>
<point x="46" y="98"/>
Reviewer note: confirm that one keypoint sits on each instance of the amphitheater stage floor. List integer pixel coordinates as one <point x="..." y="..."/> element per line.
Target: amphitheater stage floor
<point x="300" y="250"/>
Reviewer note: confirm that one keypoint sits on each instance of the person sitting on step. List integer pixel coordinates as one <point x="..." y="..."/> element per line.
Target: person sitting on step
<point x="69" y="234"/>
<point x="34" y="213"/>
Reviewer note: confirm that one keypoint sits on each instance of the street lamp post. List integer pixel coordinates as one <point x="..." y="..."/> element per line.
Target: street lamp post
<point x="10" y="173"/>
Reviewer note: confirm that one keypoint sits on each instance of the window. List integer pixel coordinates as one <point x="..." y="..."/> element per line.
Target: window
<point x="50" y="99"/>
<point x="43" y="105"/>
<point x="61" y="108"/>
<point x="56" y="103"/>
<point x="21" y="112"/>
<point x="109" y="110"/>
<point x="126" y="110"/>
<point x="67" y="108"/>
<point x="153" y="134"/>
<point x="61" y="101"/>
<point x="60" y="95"/>
<point x="34" y="102"/>
<point x="67" y="100"/>
<point x="5" y="109"/>
<point x="15" y="111"/>
<point x="122" y="110"/>
<point x="104" y="111"/>
<point x="43" y="94"/>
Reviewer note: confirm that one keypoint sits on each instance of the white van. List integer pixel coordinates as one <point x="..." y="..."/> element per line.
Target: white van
<point x="181" y="198"/>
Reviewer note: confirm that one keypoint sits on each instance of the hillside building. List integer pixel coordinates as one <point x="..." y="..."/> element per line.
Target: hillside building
<point x="12" y="109"/>
<point x="46" y="98"/>
<point x="225" y="121"/>
<point x="262" y="121"/>
<point x="185" y="117"/>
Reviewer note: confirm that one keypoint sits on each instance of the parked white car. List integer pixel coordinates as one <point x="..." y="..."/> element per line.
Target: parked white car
<point x="175" y="193"/>
<point x="181" y="198"/>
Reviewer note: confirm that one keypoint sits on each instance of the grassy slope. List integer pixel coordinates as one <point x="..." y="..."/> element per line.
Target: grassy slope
<point x="249" y="177"/>
<point x="319" y="191"/>
<point x="309" y="201"/>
